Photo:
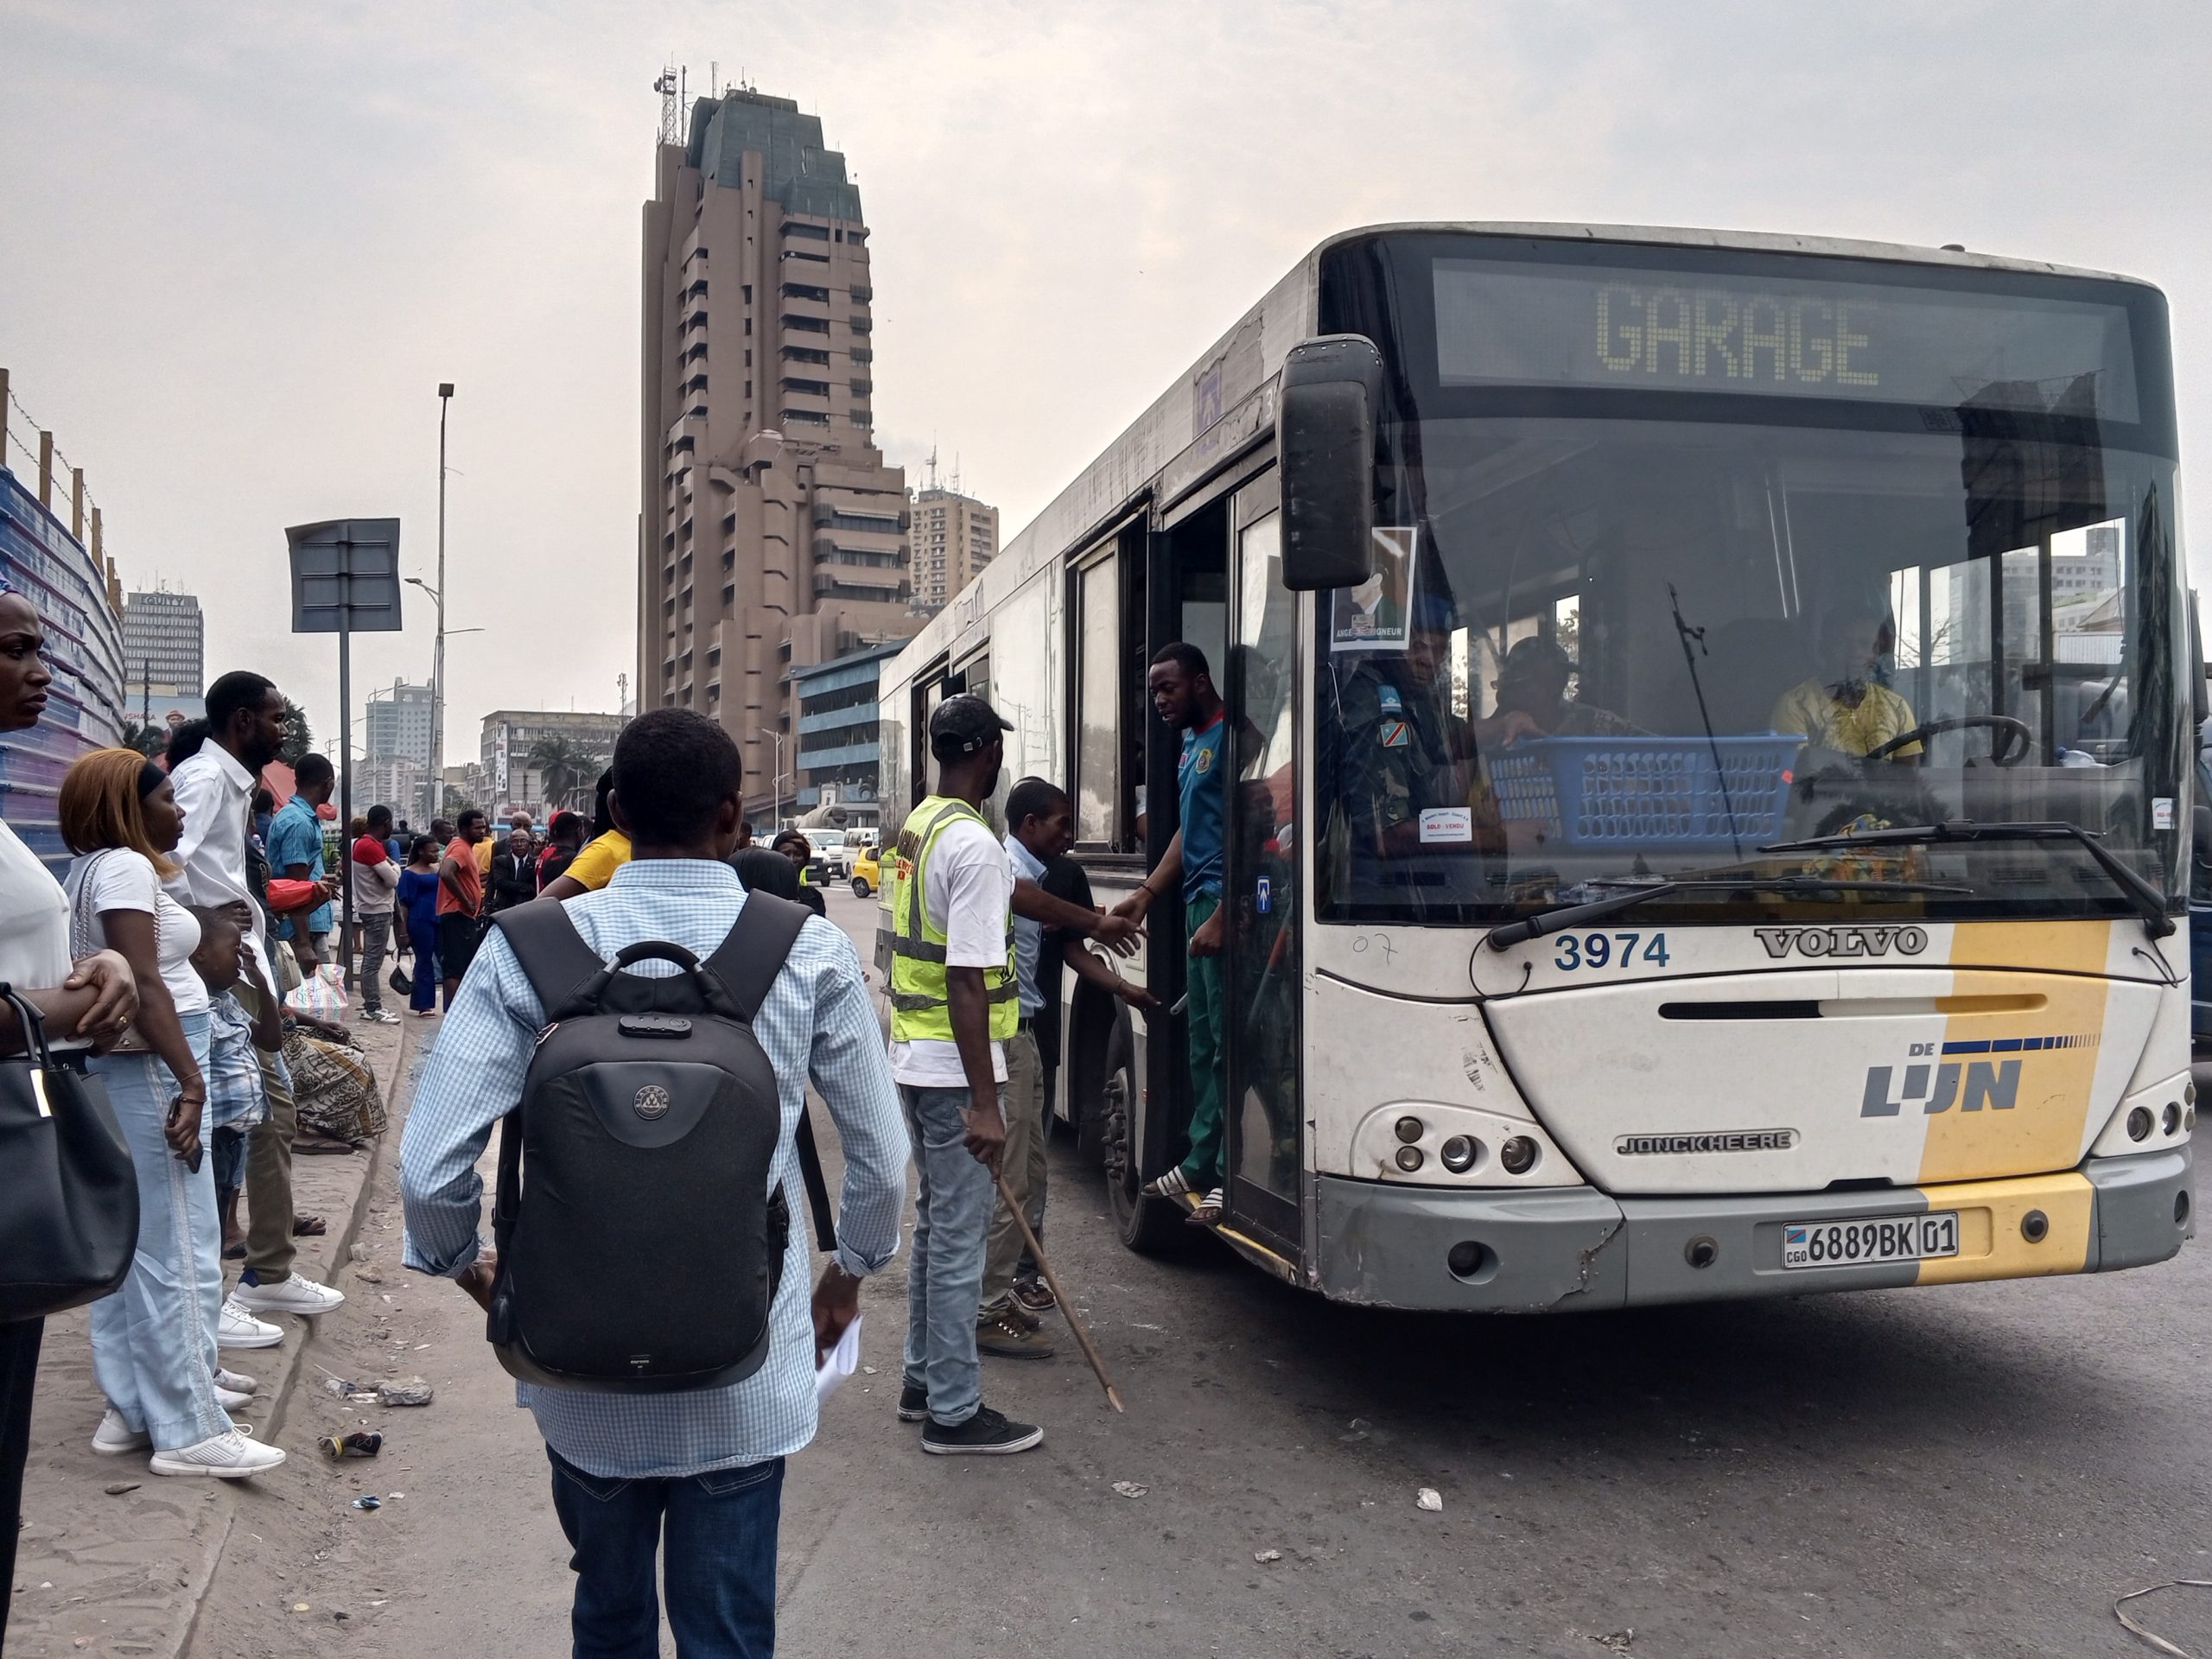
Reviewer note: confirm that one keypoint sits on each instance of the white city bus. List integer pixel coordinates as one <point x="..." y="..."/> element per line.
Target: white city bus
<point x="1699" y="1003"/>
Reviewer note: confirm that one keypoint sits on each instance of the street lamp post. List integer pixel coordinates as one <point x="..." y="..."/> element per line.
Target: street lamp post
<point x="777" y="811"/>
<point x="435" y="785"/>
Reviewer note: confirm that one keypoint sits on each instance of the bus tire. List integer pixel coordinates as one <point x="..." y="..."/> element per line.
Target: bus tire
<point x="859" y="887"/>
<point x="1148" y="1226"/>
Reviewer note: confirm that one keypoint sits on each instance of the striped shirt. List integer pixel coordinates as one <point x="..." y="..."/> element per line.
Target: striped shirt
<point x="817" y="1020"/>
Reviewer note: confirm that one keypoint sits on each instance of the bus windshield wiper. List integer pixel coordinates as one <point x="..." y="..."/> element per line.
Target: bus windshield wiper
<point x="1559" y="918"/>
<point x="2150" y="904"/>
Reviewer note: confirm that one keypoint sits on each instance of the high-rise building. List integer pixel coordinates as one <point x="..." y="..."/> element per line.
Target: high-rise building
<point x="771" y="535"/>
<point x="954" y="536"/>
<point x="507" y="751"/>
<point x="399" y="723"/>
<point x="164" y="642"/>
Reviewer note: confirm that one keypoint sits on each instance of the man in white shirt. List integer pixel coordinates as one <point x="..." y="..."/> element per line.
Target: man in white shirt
<point x="950" y="894"/>
<point x="214" y="787"/>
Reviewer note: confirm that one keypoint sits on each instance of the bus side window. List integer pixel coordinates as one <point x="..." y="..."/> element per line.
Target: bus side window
<point x="1098" y="702"/>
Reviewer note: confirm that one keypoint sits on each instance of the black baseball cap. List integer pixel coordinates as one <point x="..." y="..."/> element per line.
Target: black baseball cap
<point x="963" y="725"/>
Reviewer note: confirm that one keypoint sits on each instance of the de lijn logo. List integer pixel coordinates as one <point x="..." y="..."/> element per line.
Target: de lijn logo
<point x="1842" y="941"/>
<point x="1935" y="1084"/>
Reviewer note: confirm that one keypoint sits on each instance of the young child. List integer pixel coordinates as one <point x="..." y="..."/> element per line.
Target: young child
<point x="235" y="1098"/>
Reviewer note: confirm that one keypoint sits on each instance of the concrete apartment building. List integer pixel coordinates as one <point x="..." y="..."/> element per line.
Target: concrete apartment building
<point x="509" y="735"/>
<point x="953" y="537"/>
<point x="399" y="723"/>
<point x="164" y="645"/>
<point x="772" y="535"/>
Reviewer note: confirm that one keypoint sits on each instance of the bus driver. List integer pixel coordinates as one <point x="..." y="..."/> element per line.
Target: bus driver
<point x="1404" y="766"/>
<point x="1842" y="706"/>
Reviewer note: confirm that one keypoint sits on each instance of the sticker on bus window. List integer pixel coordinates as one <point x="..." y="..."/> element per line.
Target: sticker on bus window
<point x="1373" y="615"/>
<point x="1447" y="824"/>
<point x="2162" y="812"/>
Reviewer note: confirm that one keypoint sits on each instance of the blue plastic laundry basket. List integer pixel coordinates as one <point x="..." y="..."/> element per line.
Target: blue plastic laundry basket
<point x="1637" y="792"/>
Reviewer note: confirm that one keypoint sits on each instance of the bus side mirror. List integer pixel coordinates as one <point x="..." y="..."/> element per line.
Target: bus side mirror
<point x="1325" y="445"/>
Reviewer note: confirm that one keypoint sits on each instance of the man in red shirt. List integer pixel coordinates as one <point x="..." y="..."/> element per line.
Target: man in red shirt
<point x="460" y="900"/>
<point x="376" y="877"/>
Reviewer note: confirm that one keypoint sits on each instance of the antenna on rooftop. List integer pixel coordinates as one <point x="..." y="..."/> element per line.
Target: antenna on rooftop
<point x="671" y="103"/>
<point x="713" y="69"/>
<point x="932" y="464"/>
<point x="955" y="472"/>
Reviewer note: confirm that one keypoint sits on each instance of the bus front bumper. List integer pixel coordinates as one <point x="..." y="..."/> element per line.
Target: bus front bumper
<point x="1559" y="1249"/>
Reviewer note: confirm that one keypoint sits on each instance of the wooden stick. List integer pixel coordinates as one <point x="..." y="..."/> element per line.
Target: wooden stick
<point x="1075" y="1320"/>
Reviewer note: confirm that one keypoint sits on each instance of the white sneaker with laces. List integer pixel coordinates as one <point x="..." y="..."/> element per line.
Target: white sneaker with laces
<point x="237" y="1381"/>
<point x="232" y="1456"/>
<point x="114" y="1437"/>
<point x="379" y="1016"/>
<point x="238" y="1329"/>
<point x="291" y="1294"/>
<point x="230" y="1399"/>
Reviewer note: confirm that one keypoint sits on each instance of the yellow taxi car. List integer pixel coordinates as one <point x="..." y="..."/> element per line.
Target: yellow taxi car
<point x="866" y="876"/>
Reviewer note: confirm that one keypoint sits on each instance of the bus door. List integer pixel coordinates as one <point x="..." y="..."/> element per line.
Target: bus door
<point x="1262" y="968"/>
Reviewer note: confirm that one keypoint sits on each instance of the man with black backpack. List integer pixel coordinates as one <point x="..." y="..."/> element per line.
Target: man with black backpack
<point x="649" y="1045"/>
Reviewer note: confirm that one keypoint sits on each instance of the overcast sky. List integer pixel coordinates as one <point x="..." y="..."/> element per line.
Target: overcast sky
<point x="241" y="244"/>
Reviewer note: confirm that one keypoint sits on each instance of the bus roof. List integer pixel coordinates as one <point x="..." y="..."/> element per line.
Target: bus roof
<point x="1230" y="386"/>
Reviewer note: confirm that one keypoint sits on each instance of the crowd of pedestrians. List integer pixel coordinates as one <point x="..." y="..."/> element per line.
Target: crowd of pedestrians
<point x="196" y="900"/>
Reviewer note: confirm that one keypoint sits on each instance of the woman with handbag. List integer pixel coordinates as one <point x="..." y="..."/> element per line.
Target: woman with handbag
<point x="154" y="1339"/>
<point x="87" y="1002"/>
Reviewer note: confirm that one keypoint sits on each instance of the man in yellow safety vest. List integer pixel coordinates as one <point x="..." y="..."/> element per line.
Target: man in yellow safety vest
<point x="950" y="893"/>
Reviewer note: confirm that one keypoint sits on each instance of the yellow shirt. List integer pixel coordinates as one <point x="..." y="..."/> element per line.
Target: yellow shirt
<point x="1815" y="710"/>
<point x="484" y="849"/>
<point x="595" y="866"/>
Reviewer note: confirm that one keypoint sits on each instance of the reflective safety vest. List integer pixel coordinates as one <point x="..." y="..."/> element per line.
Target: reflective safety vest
<point x="921" y="1005"/>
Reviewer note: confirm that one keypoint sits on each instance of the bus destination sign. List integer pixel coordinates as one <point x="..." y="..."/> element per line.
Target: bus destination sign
<point x="1515" y="324"/>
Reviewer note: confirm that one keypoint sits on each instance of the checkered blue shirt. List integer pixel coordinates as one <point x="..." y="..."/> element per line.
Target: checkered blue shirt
<point x="818" y="1020"/>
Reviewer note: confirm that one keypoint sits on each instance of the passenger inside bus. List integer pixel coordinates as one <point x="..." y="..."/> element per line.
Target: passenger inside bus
<point x="1842" y="706"/>
<point x="1406" y="781"/>
<point x="1532" y="682"/>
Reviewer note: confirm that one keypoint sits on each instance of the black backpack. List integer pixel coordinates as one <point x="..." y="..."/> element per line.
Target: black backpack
<point x="640" y="1248"/>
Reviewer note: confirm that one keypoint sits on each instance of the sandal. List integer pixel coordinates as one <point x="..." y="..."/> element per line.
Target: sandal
<point x="305" y="1227"/>
<point x="1207" y="1213"/>
<point x="1173" y="1185"/>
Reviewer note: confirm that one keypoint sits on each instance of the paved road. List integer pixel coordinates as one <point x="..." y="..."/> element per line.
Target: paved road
<point x="1970" y="1471"/>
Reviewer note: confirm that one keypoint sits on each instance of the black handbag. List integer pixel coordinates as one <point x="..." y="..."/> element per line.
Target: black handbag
<point x="68" y="1194"/>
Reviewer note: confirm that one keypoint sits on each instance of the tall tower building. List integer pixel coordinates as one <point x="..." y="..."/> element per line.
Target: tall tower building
<point x="164" y="643"/>
<point x="772" y="535"/>
<point x="954" y="536"/>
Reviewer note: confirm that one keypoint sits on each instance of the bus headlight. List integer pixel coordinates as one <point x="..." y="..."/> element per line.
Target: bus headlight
<point x="2138" y="1123"/>
<point x="1411" y="1130"/>
<point x="1459" y="1153"/>
<point x="1518" y="1155"/>
<point x="1409" y="1158"/>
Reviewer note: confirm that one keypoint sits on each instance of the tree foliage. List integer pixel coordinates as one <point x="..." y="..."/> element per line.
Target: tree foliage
<point x="564" y="767"/>
<point x="298" y="740"/>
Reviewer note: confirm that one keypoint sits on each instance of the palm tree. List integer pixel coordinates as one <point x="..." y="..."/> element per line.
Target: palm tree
<point x="563" y="766"/>
<point x="146" y="740"/>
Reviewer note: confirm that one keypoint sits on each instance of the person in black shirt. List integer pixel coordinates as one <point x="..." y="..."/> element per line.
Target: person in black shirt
<point x="1062" y="947"/>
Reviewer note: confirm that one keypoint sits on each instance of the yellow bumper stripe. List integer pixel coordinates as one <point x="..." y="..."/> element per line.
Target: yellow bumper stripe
<point x="1990" y="1242"/>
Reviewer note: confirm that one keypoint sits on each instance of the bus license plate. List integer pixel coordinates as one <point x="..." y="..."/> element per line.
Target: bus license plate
<point x="1869" y="1240"/>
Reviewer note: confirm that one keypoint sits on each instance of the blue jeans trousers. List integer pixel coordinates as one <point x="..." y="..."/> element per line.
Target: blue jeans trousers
<point x="944" y="1274"/>
<point x="154" y="1340"/>
<point x="716" y="1536"/>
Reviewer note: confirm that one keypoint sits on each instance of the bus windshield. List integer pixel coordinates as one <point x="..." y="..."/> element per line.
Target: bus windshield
<point x="1601" y="650"/>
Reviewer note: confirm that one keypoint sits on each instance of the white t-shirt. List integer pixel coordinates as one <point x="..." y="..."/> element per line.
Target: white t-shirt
<point x="119" y="878"/>
<point x="34" y="919"/>
<point x="967" y="886"/>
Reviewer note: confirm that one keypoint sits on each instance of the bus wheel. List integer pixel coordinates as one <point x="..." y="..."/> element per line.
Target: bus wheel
<point x="859" y="887"/>
<point x="1148" y="1226"/>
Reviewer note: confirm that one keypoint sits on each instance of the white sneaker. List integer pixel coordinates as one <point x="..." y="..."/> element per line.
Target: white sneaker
<point x="238" y="1329"/>
<point x="237" y="1381"/>
<point x="379" y="1016"/>
<point x="230" y="1399"/>
<point x="291" y="1294"/>
<point x="114" y="1437"/>
<point x="232" y="1456"/>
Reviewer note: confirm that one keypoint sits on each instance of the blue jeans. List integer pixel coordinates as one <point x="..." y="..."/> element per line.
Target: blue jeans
<point x="719" y="1561"/>
<point x="154" y="1340"/>
<point x="424" y="996"/>
<point x="944" y="1274"/>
